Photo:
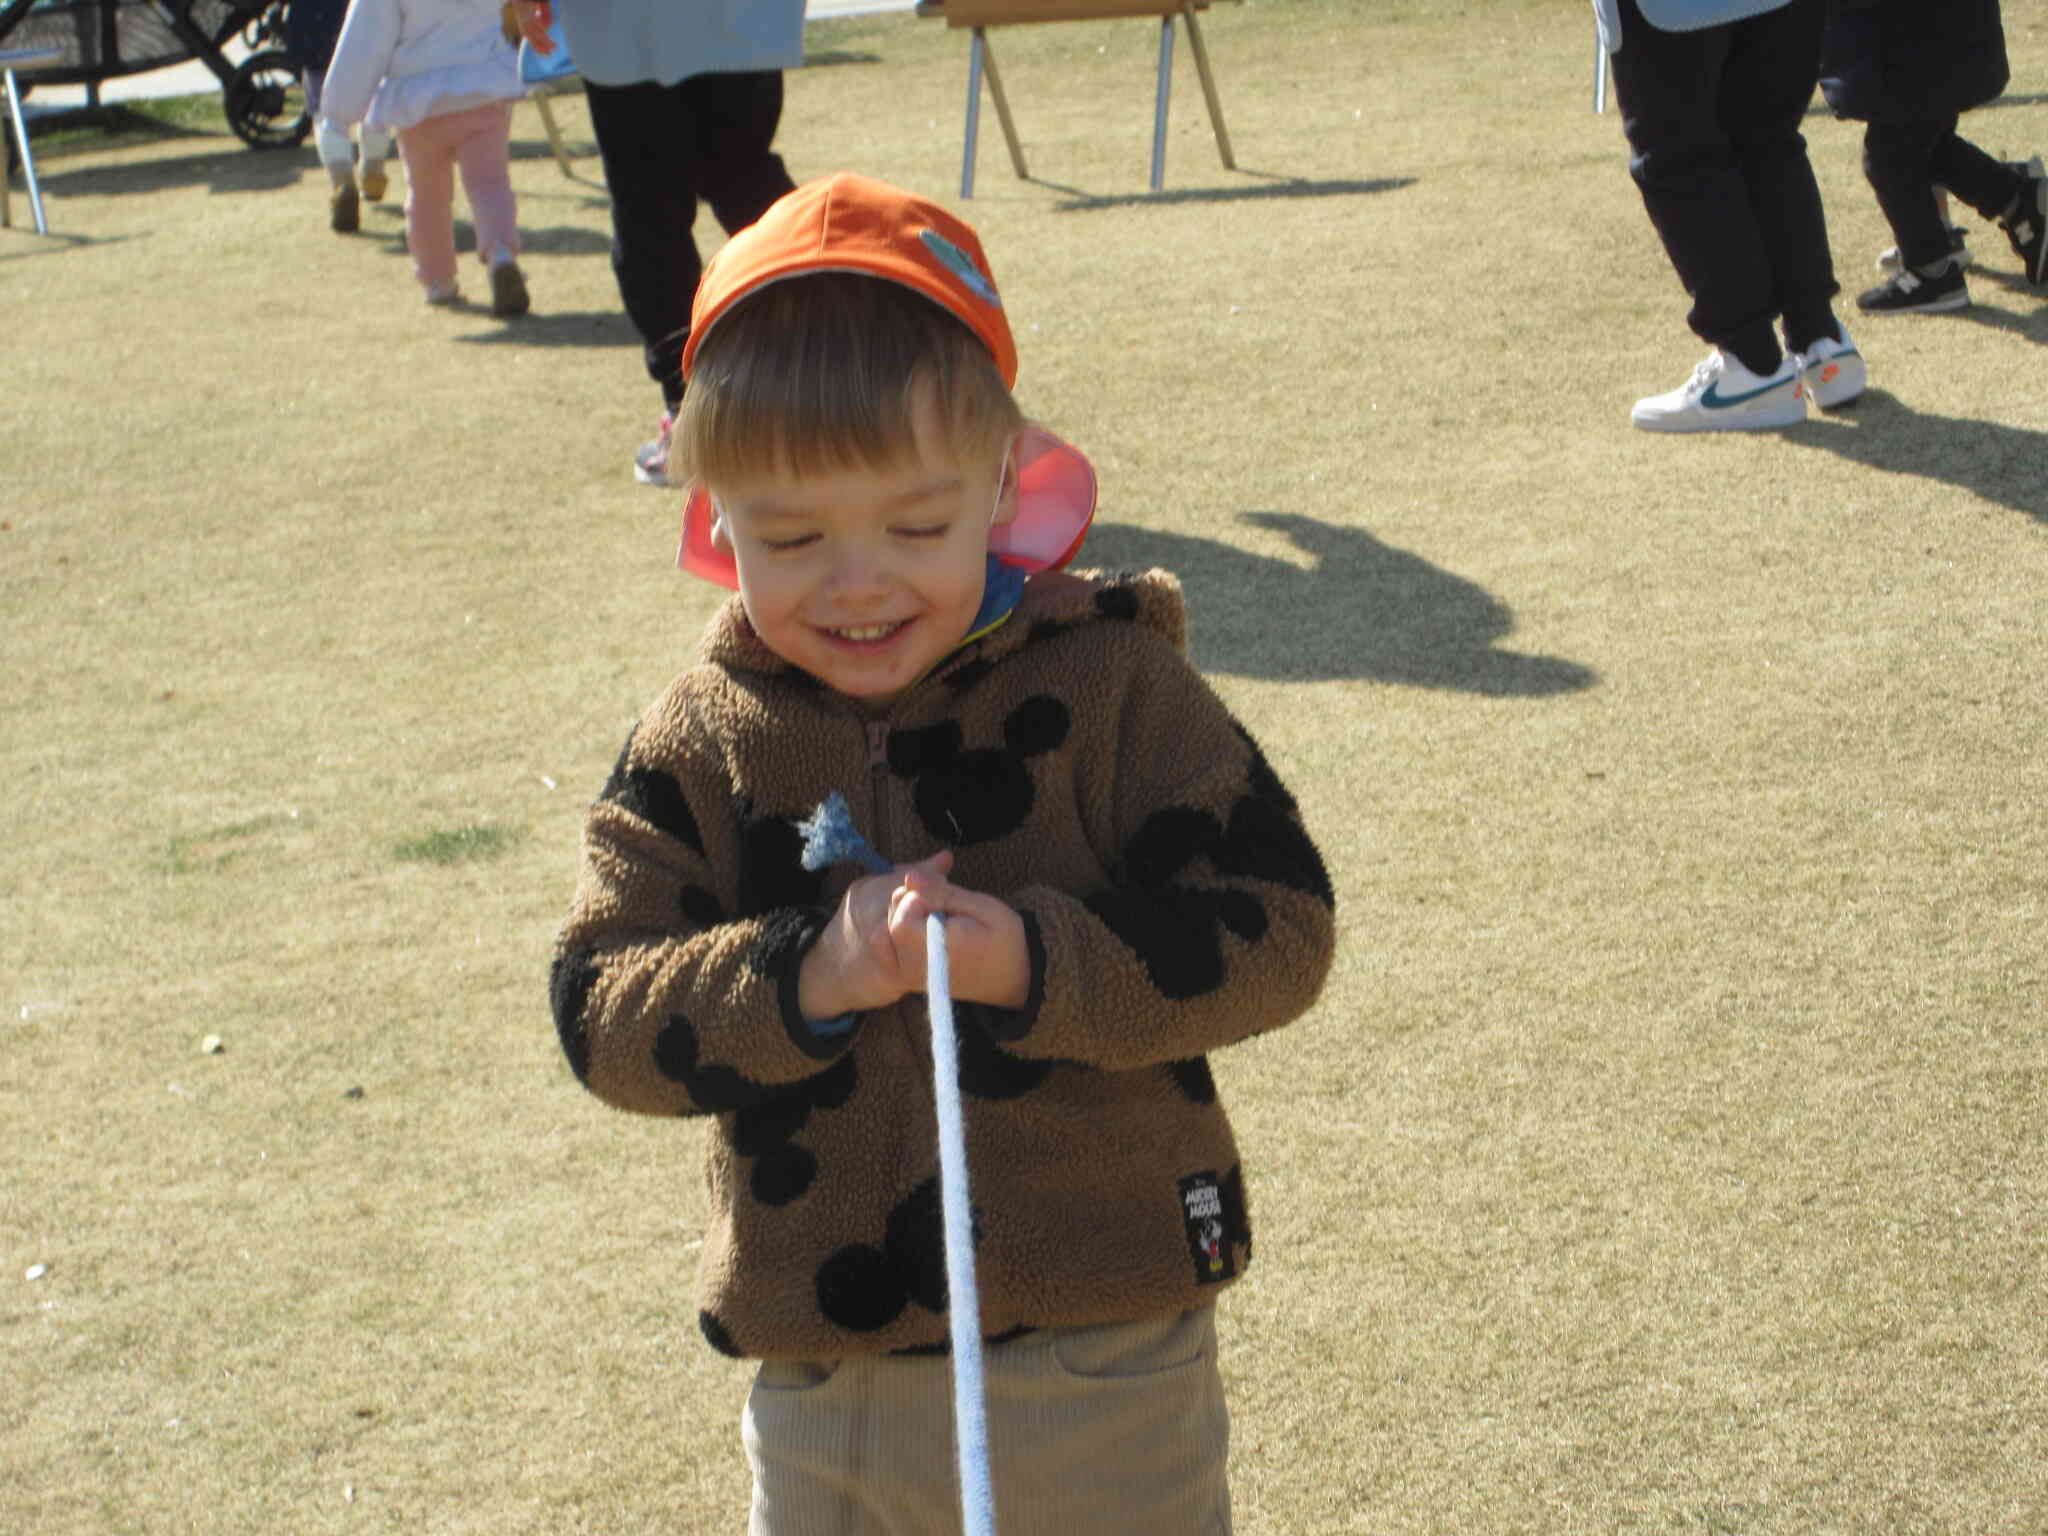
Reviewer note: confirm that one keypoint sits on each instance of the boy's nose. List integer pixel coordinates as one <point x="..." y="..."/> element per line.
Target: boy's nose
<point x="858" y="572"/>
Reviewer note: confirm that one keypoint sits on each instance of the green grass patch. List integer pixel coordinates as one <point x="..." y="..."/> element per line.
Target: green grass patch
<point x="113" y="125"/>
<point x="458" y="845"/>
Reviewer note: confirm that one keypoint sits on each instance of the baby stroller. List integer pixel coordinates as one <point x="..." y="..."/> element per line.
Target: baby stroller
<point x="100" y="40"/>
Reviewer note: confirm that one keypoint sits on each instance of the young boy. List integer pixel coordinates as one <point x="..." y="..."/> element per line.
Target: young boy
<point x="1127" y="887"/>
<point x="1909" y="70"/>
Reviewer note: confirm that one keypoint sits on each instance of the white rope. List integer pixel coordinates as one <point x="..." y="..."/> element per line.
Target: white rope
<point x="963" y="1302"/>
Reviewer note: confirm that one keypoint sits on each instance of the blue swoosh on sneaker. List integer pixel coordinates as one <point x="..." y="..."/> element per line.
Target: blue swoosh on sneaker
<point x="1714" y="400"/>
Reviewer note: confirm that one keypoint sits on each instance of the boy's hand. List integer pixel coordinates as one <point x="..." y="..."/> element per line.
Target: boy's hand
<point x="987" y="960"/>
<point x="872" y="952"/>
<point x="856" y="964"/>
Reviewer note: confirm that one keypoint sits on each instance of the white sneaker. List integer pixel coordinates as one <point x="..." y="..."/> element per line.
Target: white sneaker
<point x="1724" y="396"/>
<point x="1833" y="371"/>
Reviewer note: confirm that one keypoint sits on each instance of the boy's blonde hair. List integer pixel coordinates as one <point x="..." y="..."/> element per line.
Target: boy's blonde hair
<point x="820" y="372"/>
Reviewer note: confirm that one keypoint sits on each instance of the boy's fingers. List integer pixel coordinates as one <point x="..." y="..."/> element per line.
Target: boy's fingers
<point x="939" y="864"/>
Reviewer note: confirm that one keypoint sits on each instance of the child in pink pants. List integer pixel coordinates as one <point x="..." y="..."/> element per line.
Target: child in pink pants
<point x="441" y="74"/>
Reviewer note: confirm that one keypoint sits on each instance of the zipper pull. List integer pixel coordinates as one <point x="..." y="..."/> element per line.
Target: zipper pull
<point x="878" y="745"/>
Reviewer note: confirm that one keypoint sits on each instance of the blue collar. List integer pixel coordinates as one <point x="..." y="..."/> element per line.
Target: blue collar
<point x="1002" y="589"/>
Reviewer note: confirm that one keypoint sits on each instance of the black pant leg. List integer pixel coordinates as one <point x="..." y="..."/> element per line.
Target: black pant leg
<point x="1977" y="180"/>
<point x="1712" y="119"/>
<point x="646" y="136"/>
<point x="1766" y="90"/>
<point x="1898" y="162"/>
<point x="739" y="173"/>
<point x="664" y="147"/>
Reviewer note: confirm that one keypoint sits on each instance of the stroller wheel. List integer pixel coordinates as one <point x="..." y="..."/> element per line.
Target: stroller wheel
<point x="266" y="103"/>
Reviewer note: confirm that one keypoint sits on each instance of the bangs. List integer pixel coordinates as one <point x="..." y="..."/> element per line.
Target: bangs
<point x="820" y="373"/>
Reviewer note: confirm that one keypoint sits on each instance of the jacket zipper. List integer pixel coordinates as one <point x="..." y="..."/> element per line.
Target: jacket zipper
<point x="878" y="772"/>
<point x="918" y="1042"/>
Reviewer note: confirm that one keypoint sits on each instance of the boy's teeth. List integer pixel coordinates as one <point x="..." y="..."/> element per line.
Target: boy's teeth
<point x="866" y="631"/>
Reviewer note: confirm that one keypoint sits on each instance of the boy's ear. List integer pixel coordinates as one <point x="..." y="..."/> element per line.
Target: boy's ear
<point x="1007" y="489"/>
<point x="721" y="536"/>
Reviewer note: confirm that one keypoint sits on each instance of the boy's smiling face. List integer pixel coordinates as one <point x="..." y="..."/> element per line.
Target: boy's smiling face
<point x="867" y="578"/>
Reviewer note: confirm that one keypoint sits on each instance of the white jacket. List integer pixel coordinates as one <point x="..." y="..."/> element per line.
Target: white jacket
<point x="400" y="62"/>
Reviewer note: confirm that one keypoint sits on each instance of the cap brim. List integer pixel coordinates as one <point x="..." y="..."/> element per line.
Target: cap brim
<point x="1055" y="508"/>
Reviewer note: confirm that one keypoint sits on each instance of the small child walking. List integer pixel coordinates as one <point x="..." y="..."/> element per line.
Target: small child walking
<point x="1127" y="886"/>
<point x="1909" y="70"/>
<point x="311" y="28"/>
<point x="442" y="74"/>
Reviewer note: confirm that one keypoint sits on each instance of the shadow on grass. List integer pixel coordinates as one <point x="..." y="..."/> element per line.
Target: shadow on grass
<point x="55" y="243"/>
<point x="1361" y="609"/>
<point x="1269" y="186"/>
<point x="571" y="328"/>
<point x="586" y="151"/>
<point x="2001" y="464"/>
<point x="233" y="167"/>
<point x="2033" y="325"/>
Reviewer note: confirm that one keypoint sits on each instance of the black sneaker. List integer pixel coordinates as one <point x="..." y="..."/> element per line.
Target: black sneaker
<point x="2027" y="225"/>
<point x="1918" y="293"/>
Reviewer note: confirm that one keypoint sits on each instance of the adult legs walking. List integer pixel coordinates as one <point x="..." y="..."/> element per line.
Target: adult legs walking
<point x="664" y="147"/>
<point x="1712" y="121"/>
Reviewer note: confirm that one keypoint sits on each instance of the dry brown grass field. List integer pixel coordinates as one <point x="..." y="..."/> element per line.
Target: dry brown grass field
<point x="1667" y="1152"/>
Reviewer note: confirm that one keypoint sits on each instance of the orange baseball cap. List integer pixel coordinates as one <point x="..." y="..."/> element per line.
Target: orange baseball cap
<point x="850" y="223"/>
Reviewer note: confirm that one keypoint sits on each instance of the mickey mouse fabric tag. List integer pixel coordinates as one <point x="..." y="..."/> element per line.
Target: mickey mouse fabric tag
<point x="1201" y="1208"/>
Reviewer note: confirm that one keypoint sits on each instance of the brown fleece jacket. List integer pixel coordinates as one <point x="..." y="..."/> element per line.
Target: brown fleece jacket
<point x="1079" y="769"/>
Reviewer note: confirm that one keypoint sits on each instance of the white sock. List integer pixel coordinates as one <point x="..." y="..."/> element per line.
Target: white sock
<point x="336" y="153"/>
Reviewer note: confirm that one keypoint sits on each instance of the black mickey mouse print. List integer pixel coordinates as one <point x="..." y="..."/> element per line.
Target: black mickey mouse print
<point x="772" y="876"/>
<point x="654" y="796"/>
<point x="570" y="979"/>
<point x="862" y="1287"/>
<point x="766" y="1133"/>
<point x="974" y="795"/>
<point x="1175" y="926"/>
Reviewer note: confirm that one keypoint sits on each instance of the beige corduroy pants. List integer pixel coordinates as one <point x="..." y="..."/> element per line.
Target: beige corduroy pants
<point x="1119" y="1429"/>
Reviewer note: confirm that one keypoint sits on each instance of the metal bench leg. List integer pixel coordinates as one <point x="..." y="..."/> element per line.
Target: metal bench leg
<point x="972" y="131"/>
<point x="554" y="133"/>
<point x="28" y="164"/>
<point x="1215" y="101"/>
<point x="1002" y="101"/>
<point x="981" y="56"/>
<point x="1159" y="110"/>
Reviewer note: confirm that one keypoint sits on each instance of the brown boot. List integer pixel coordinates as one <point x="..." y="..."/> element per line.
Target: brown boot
<point x="344" y="209"/>
<point x="508" y="289"/>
